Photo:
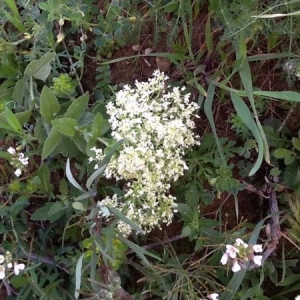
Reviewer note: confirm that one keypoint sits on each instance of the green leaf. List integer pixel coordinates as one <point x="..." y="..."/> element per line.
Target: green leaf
<point x="13" y="7"/>
<point x="78" y="107"/>
<point x="141" y="252"/>
<point x="70" y="177"/>
<point x="52" y="211"/>
<point x="65" y="126"/>
<point x="41" y="68"/>
<point x="51" y="142"/>
<point x="296" y="143"/>
<point x="78" y="276"/>
<point x="282" y="153"/>
<point x="24" y="116"/>
<point x="94" y="175"/>
<point x="245" y="115"/>
<point x="15" y="22"/>
<point x="78" y="206"/>
<point x="186" y="231"/>
<point x="49" y="105"/>
<point x="44" y="175"/>
<point x="209" y="115"/>
<point x="122" y="217"/>
<point x="13" y="121"/>
<point x="100" y="126"/>
<point x="208" y="35"/>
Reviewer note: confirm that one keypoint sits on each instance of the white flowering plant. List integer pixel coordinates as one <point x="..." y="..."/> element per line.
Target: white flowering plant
<point x="156" y="123"/>
<point x="240" y="253"/>
<point x="6" y="264"/>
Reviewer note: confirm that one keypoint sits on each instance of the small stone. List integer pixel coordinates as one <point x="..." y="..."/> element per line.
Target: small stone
<point x="135" y="47"/>
<point x="147" y="51"/>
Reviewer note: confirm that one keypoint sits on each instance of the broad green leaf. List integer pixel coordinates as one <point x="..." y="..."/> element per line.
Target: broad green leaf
<point x="65" y="126"/>
<point x="44" y="175"/>
<point x="51" y="142"/>
<point x="49" y="105"/>
<point x="296" y="143"/>
<point x="77" y="107"/>
<point x="80" y="142"/>
<point x="13" y="121"/>
<point x="24" y="116"/>
<point x="4" y="124"/>
<point x="100" y="126"/>
<point x="71" y="178"/>
<point x="78" y="206"/>
<point x="41" y="68"/>
<point x="51" y="211"/>
<point x="282" y="153"/>
<point x="245" y="115"/>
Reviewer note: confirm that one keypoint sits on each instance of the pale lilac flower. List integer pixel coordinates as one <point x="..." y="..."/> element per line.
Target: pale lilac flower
<point x="18" y="267"/>
<point x="214" y="296"/>
<point x="257" y="259"/>
<point x="224" y="259"/>
<point x="236" y="267"/>
<point x="232" y="251"/>
<point x="258" y="248"/>
<point x="2" y="272"/>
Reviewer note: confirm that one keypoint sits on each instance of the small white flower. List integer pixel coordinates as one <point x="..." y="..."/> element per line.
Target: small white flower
<point x="9" y="265"/>
<point x="18" y="267"/>
<point x="298" y="297"/>
<point x="2" y="272"/>
<point x="11" y="151"/>
<point x="240" y="242"/>
<point x="18" y="172"/>
<point x="224" y="259"/>
<point x="214" y="296"/>
<point x="22" y="159"/>
<point x="257" y="259"/>
<point x="236" y="267"/>
<point x="2" y="258"/>
<point x="232" y="251"/>
<point x="258" y="248"/>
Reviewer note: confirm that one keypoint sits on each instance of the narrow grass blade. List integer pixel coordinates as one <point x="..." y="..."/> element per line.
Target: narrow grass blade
<point x="245" y="74"/>
<point x="71" y="178"/>
<point x="245" y="115"/>
<point x="209" y="115"/>
<point x="122" y="217"/>
<point x="78" y="276"/>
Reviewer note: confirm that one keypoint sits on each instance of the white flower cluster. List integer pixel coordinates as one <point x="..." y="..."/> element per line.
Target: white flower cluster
<point x="238" y="254"/>
<point x="213" y="296"/>
<point x="18" y="160"/>
<point x="5" y="262"/>
<point x="156" y="124"/>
